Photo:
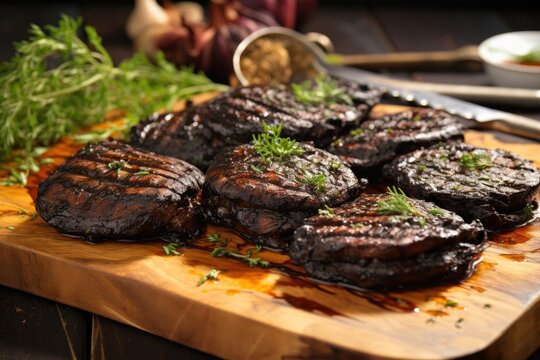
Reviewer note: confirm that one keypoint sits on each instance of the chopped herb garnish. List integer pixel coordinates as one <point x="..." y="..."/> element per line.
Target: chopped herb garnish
<point x="451" y="303"/>
<point x="335" y="165"/>
<point x="357" y="225"/>
<point x="389" y="131"/>
<point x="215" y="238"/>
<point x="271" y="146"/>
<point x="170" y="249"/>
<point x="416" y="118"/>
<point x="247" y="257"/>
<point x="142" y="173"/>
<point x="459" y="323"/>
<point x="437" y="212"/>
<point x="315" y="181"/>
<point x="422" y="221"/>
<point x="322" y="91"/>
<point x="357" y="132"/>
<point x="421" y="168"/>
<point x="117" y="165"/>
<point x="396" y="204"/>
<point x="11" y="228"/>
<point x="211" y="275"/>
<point x="456" y="187"/>
<point x="475" y="161"/>
<point x="327" y="211"/>
<point x="532" y="56"/>
<point x="256" y="168"/>
<point x="30" y="214"/>
<point x="443" y="157"/>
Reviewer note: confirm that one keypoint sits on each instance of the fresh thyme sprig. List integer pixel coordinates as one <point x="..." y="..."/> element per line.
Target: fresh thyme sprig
<point x="247" y="257"/>
<point x="397" y="203"/>
<point x="475" y="161"/>
<point x="320" y="91"/>
<point x="316" y="181"/>
<point x="23" y="165"/>
<point x="171" y="249"/>
<point x="57" y="83"/>
<point x="271" y="146"/>
<point x="211" y="275"/>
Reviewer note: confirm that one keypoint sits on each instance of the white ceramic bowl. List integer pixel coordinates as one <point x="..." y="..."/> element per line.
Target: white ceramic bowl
<point x="497" y="53"/>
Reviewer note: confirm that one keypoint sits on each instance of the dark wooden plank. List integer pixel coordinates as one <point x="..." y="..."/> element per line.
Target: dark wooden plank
<point x="35" y="328"/>
<point x="353" y="30"/>
<point x="425" y="29"/>
<point x="432" y="29"/>
<point x="113" y="340"/>
<point x="521" y="19"/>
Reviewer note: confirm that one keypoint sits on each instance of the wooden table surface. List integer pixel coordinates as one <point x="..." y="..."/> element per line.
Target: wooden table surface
<point x="377" y="27"/>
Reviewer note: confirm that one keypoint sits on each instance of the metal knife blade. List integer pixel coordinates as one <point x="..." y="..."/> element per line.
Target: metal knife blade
<point x="484" y="117"/>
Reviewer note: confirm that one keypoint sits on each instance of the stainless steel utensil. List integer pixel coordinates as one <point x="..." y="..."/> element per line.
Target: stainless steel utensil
<point x="408" y="91"/>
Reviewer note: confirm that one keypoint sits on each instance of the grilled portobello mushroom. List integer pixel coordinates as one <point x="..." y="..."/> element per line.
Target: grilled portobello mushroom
<point x="495" y="186"/>
<point x="110" y="190"/>
<point x="266" y="200"/>
<point x="380" y="140"/>
<point x="362" y="244"/>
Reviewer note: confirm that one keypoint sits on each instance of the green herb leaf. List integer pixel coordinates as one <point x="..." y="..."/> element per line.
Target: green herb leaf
<point x="320" y="91"/>
<point x="396" y="204"/>
<point x="142" y="173"/>
<point x="357" y="132"/>
<point x="117" y="165"/>
<point x="475" y="161"/>
<point x="24" y="163"/>
<point x="357" y="225"/>
<point x="56" y="83"/>
<point x="421" y="168"/>
<point x="327" y="211"/>
<point x="335" y="165"/>
<point x="211" y="275"/>
<point x="30" y="214"/>
<point x="437" y="212"/>
<point x="171" y="249"/>
<point x="215" y="238"/>
<point x="451" y="303"/>
<point x="256" y="168"/>
<point x="271" y="146"/>
<point x="247" y="257"/>
<point x="317" y="182"/>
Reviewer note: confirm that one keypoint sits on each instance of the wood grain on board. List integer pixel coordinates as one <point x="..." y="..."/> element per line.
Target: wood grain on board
<point x="278" y="312"/>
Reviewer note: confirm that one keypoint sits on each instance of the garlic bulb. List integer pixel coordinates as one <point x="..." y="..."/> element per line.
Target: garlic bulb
<point x="147" y="14"/>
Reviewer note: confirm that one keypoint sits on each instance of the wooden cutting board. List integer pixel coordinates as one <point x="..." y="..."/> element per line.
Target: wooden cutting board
<point x="278" y="312"/>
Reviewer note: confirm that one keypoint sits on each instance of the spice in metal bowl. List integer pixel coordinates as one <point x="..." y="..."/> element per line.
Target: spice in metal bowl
<point x="273" y="61"/>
